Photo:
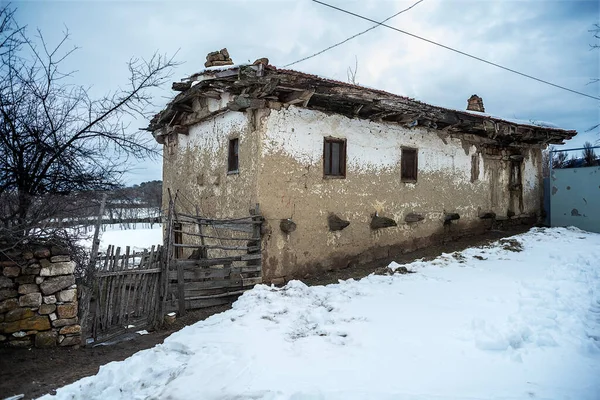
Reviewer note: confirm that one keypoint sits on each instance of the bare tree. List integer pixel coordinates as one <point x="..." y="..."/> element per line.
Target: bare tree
<point x="559" y="159"/>
<point x="352" y="72"/>
<point x="56" y="139"/>
<point x="589" y="155"/>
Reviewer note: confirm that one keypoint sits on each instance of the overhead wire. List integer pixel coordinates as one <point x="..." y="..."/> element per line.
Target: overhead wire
<point x="457" y="51"/>
<point x="353" y="36"/>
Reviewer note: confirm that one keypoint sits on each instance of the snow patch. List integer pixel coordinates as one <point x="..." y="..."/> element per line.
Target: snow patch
<point x="484" y="323"/>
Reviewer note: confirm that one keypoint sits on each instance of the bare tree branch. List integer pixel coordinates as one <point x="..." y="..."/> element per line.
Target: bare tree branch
<point x="55" y="139"/>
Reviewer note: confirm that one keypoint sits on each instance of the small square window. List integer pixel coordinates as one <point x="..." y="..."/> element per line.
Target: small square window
<point x="334" y="158"/>
<point x="233" y="160"/>
<point x="409" y="163"/>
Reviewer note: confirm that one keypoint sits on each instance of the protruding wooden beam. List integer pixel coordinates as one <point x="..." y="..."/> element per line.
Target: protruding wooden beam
<point x="297" y="97"/>
<point x="181" y="86"/>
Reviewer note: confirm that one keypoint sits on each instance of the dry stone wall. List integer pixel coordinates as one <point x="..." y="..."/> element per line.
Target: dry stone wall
<point x="38" y="298"/>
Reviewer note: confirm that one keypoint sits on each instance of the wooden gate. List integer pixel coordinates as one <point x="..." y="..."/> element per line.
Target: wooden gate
<point x="126" y="291"/>
<point x="210" y="261"/>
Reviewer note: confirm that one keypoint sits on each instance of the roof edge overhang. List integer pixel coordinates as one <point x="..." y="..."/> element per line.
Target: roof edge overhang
<point x="265" y="86"/>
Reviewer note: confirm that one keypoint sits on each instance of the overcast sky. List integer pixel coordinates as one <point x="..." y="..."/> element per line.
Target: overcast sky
<point x="547" y="39"/>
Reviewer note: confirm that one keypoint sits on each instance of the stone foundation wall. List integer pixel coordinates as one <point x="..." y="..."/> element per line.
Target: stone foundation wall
<point x="38" y="298"/>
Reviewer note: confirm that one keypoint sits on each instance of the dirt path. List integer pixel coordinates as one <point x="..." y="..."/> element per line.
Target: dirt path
<point x="36" y="372"/>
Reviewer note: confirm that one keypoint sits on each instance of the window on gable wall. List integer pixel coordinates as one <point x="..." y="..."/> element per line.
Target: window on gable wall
<point x="408" y="165"/>
<point x="334" y="158"/>
<point x="233" y="160"/>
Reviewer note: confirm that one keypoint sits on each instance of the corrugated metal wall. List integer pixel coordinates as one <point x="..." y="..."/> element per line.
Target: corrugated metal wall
<point x="575" y="198"/>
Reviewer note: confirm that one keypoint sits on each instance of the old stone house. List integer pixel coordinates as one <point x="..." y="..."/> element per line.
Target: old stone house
<point x="344" y="173"/>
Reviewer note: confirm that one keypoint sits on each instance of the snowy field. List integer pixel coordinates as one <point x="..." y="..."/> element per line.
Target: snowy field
<point x="487" y="323"/>
<point x="139" y="236"/>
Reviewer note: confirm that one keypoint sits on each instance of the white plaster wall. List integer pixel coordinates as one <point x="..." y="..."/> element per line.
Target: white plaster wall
<point x="210" y="136"/>
<point x="371" y="146"/>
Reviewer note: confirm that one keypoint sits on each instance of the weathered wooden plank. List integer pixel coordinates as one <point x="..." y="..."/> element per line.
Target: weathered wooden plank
<point x="219" y="283"/>
<point x="213" y="237"/>
<point x="120" y="304"/>
<point x="129" y="272"/>
<point x="211" y="273"/>
<point x="215" y="246"/>
<point x="180" y="289"/>
<point x="227" y="294"/>
<point x="206" y="262"/>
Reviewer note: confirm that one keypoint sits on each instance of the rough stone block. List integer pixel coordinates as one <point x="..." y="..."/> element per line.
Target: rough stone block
<point x="58" y="268"/>
<point x="28" y="255"/>
<point x="59" y="323"/>
<point x="287" y="225"/>
<point x="44" y="263"/>
<point x="3" y="338"/>
<point x="46" y="309"/>
<point x="20" y="334"/>
<point x="11" y="271"/>
<point x="68" y="295"/>
<point x="54" y="284"/>
<point x="9" y="304"/>
<point x="28" y="288"/>
<point x="7" y="294"/>
<point x="30" y="300"/>
<point x="59" y="250"/>
<point x="41" y="252"/>
<point x="378" y="222"/>
<point x="336" y="223"/>
<point x="6" y="283"/>
<point x="66" y="311"/>
<point x="8" y="264"/>
<point x="10" y="327"/>
<point x="70" y="330"/>
<point x="39" y="279"/>
<point x="18" y="314"/>
<point x="71" y="341"/>
<point x="57" y="259"/>
<point x="33" y="269"/>
<point x="38" y="323"/>
<point x="45" y="339"/>
<point x="53" y="317"/>
<point x="49" y="299"/>
<point x="22" y="343"/>
<point x="23" y="279"/>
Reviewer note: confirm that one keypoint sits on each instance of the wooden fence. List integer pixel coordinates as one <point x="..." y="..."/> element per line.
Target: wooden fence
<point x="211" y="261"/>
<point x="126" y="290"/>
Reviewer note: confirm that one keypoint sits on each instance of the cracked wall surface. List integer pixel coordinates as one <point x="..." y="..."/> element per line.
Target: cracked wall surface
<point x="281" y="167"/>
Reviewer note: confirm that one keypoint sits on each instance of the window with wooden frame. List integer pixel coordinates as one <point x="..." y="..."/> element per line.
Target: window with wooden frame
<point x="334" y="158"/>
<point x="409" y="165"/>
<point x="233" y="162"/>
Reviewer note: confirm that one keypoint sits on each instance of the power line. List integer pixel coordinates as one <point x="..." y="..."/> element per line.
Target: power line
<point x="458" y="51"/>
<point x="353" y="36"/>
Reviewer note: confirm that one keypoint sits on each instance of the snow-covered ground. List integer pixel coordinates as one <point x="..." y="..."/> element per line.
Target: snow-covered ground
<point x="487" y="323"/>
<point x="139" y="236"/>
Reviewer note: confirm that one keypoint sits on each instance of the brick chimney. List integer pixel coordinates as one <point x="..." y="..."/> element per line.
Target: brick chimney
<point x="475" y="103"/>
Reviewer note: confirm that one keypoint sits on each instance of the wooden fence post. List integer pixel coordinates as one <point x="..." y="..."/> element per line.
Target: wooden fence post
<point x="90" y="286"/>
<point x="167" y="255"/>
